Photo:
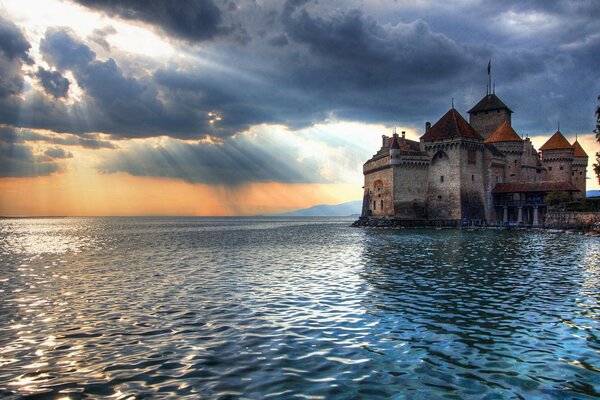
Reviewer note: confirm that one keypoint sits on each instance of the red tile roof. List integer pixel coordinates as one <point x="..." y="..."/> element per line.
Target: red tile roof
<point x="451" y="125"/>
<point x="534" y="187"/>
<point x="504" y="133"/>
<point x="556" y="142"/>
<point x="579" y="152"/>
<point x="394" y="140"/>
<point x="490" y="102"/>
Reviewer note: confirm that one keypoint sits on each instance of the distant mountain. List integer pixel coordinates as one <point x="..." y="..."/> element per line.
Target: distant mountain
<point x="592" y="193"/>
<point x="326" y="210"/>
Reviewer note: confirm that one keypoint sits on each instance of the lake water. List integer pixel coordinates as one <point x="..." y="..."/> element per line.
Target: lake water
<point x="295" y="308"/>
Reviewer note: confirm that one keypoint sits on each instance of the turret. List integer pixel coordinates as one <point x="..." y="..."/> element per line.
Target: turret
<point x="578" y="174"/>
<point x="488" y="114"/>
<point x="394" y="150"/>
<point x="557" y="157"/>
<point x="507" y="141"/>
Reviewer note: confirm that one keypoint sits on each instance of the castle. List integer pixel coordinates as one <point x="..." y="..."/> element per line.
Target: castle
<point x="477" y="172"/>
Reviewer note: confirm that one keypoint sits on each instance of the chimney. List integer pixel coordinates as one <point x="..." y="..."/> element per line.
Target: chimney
<point x="383" y="137"/>
<point x="403" y="134"/>
<point x="427" y="126"/>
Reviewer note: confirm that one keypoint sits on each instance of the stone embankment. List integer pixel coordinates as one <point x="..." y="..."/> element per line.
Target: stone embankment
<point x="402" y="223"/>
<point x="574" y="220"/>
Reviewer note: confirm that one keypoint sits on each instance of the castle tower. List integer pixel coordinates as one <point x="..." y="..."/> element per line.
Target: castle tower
<point x="506" y="140"/>
<point x="394" y="150"/>
<point x="455" y="176"/>
<point x="557" y="156"/>
<point x="580" y="162"/>
<point x="488" y="114"/>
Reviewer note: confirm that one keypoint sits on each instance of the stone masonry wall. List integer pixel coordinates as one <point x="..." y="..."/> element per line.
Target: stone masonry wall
<point x="410" y="191"/>
<point x="559" y="164"/>
<point x="579" y="175"/>
<point x="384" y="197"/>
<point x="571" y="220"/>
<point x="486" y="122"/>
<point x="472" y="190"/>
<point x="443" y="200"/>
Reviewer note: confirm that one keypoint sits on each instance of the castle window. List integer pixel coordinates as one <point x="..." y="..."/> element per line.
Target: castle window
<point x="439" y="197"/>
<point x="442" y="178"/>
<point x="549" y="168"/>
<point x="497" y="178"/>
<point x="472" y="178"/>
<point x="515" y="161"/>
<point x="381" y="203"/>
<point x="374" y="204"/>
<point x="572" y="173"/>
<point x="561" y="167"/>
<point x="580" y="172"/>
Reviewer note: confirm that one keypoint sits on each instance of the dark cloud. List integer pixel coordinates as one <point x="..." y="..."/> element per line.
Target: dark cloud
<point x="9" y="134"/>
<point x="305" y="62"/>
<point x="17" y="160"/>
<point x="62" y="49"/>
<point x="240" y="160"/>
<point x="53" y="82"/>
<point x="120" y="105"/>
<point x="99" y="36"/>
<point x="57" y="152"/>
<point x="13" y="44"/>
<point x="191" y="20"/>
<point x="14" y="52"/>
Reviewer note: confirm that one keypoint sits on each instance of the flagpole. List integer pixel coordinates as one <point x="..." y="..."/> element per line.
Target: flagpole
<point x="490" y="76"/>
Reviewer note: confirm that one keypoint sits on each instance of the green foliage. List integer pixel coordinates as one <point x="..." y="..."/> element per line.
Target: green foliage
<point x="558" y="200"/>
<point x="584" y="205"/>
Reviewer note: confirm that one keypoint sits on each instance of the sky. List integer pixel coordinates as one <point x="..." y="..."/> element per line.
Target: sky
<point x="209" y="107"/>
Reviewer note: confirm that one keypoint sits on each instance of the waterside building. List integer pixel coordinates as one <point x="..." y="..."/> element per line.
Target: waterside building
<point x="476" y="172"/>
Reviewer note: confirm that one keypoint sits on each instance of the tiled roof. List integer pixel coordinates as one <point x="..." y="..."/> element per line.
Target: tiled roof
<point x="556" y="142"/>
<point x="451" y="125"/>
<point x="489" y="103"/>
<point x="579" y="152"/>
<point x="534" y="187"/>
<point x="504" y="133"/>
<point x="395" y="144"/>
<point x="406" y="146"/>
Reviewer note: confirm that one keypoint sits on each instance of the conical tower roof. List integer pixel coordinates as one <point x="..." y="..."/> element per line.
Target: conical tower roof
<point x="451" y="125"/>
<point x="579" y="152"/>
<point x="556" y="142"/>
<point x="490" y="102"/>
<point x="504" y="133"/>
<point x="395" y="145"/>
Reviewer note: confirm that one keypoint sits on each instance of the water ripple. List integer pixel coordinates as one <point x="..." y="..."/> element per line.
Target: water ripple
<point x="294" y="308"/>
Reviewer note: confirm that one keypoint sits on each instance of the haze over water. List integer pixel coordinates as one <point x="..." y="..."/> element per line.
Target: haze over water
<point x="295" y="308"/>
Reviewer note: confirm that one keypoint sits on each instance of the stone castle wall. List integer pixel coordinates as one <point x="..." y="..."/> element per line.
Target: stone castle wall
<point x="379" y="185"/>
<point x="486" y="122"/>
<point x="571" y="219"/>
<point x="559" y="164"/>
<point x="579" y="175"/>
<point x="472" y="181"/>
<point x="444" y="195"/>
<point x="410" y="191"/>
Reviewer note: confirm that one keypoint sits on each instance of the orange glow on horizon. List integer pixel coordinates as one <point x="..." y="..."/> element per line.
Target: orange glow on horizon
<point x="123" y="195"/>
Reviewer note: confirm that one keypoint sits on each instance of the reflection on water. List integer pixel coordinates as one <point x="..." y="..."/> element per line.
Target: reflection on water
<point x="284" y="308"/>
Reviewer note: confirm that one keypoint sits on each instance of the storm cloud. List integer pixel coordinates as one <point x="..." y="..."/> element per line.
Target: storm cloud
<point x="191" y="20"/>
<point x="18" y="160"/>
<point x="297" y="63"/>
<point x="53" y="82"/>
<point x="243" y="159"/>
